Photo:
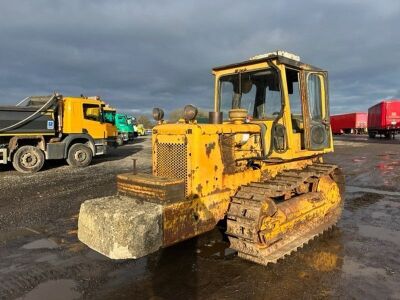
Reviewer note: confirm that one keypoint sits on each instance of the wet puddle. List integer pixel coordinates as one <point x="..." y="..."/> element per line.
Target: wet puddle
<point x="359" y="200"/>
<point x="356" y="189"/>
<point x="63" y="289"/>
<point x="387" y="166"/>
<point x="215" y="249"/>
<point x="41" y="244"/>
<point x="380" y="233"/>
<point x="354" y="268"/>
<point x="50" y="258"/>
<point x="16" y="234"/>
<point x="359" y="159"/>
<point x="387" y="154"/>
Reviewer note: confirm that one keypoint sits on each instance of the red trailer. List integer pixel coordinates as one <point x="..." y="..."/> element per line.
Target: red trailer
<point x="349" y="123"/>
<point x="384" y="118"/>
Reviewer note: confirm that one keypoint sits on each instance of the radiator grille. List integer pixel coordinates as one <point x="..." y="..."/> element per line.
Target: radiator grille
<point x="171" y="162"/>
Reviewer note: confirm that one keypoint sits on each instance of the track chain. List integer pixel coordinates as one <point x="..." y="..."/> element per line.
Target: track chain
<point x="246" y="208"/>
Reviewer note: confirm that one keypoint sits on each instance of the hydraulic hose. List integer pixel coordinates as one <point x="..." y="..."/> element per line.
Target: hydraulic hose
<point x="22" y="101"/>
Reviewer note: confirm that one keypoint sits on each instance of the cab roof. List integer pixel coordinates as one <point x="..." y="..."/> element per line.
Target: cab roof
<point x="282" y="59"/>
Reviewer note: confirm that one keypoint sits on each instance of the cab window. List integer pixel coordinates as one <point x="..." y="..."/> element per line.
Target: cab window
<point x="258" y="91"/>
<point x="109" y="117"/>
<point x="314" y="89"/>
<point x="293" y="87"/>
<point x="91" y="112"/>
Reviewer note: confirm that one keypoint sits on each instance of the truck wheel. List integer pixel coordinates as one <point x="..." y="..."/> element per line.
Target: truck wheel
<point x="79" y="155"/>
<point x="372" y="135"/>
<point x="120" y="141"/>
<point x="28" y="159"/>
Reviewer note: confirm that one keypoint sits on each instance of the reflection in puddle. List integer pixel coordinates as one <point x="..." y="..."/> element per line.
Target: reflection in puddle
<point x="41" y="244"/>
<point x="64" y="289"/>
<point x="380" y="233"/>
<point x="324" y="261"/>
<point x="132" y="270"/>
<point x="357" y="200"/>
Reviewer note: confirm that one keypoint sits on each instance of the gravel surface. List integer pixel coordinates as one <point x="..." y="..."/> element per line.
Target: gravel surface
<point x="58" y="190"/>
<point x="42" y="258"/>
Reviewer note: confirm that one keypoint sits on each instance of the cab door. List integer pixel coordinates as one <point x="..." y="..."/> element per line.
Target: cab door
<point x="92" y="121"/>
<point x="318" y="133"/>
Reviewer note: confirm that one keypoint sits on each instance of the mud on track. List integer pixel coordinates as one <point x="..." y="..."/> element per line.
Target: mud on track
<point x="40" y="254"/>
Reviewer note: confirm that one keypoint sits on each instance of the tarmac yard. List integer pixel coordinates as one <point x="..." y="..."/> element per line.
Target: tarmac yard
<point x="41" y="257"/>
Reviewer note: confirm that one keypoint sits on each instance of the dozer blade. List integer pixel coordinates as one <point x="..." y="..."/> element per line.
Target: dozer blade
<point x="264" y="230"/>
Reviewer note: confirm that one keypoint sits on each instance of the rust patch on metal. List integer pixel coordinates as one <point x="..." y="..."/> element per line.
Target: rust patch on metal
<point x="199" y="189"/>
<point x="209" y="148"/>
<point x="183" y="221"/>
<point x="151" y="188"/>
<point x="266" y="175"/>
<point x="227" y="151"/>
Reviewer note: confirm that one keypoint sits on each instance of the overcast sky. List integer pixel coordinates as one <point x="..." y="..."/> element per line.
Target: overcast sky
<point x="141" y="54"/>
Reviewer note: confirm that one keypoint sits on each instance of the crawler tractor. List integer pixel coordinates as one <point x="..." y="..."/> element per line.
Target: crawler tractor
<point x="258" y="164"/>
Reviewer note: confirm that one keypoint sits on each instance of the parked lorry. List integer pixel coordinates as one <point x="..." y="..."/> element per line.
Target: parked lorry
<point x="140" y="129"/>
<point x="384" y="119"/>
<point x="132" y="122"/>
<point x="52" y="127"/>
<point x="355" y="122"/>
<point x="109" y="120"/>
<point x="125" y="129"/>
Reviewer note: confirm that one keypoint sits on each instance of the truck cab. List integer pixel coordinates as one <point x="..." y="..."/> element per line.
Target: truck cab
<point x="109" y="121"/>
<point x="132" y="121"/>
<point x="125" y="129"/>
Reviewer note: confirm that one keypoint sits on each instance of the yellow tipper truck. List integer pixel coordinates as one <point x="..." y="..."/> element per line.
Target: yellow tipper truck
<point x="52" y="127"/>
<point x="258" y="164"/>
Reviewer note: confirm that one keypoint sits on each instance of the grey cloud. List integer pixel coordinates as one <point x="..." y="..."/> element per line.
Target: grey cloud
<point x="140" y="54"/>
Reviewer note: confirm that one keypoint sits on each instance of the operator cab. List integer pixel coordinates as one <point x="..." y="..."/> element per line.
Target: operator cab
<point x="276" y="89"/>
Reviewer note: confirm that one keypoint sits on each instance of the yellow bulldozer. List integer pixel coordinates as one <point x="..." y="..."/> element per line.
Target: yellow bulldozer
<point x="258" y="164"/>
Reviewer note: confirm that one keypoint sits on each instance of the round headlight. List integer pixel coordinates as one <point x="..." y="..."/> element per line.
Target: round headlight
<point x="158" y="114"/>
<point x="190" y="112"/>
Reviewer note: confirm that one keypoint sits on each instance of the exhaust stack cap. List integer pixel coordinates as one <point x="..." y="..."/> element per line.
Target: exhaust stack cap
<point x="238" y="115"/>
<point x="277" y="52"/>
<point x="215" y="117"/>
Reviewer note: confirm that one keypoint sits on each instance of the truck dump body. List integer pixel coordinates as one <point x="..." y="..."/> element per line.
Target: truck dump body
<point x="349" y="123"/>
<point x="384" y="115"/>
<point x="43" y="123"/>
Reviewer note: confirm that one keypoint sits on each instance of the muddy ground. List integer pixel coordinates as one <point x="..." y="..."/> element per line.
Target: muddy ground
<point x="41" y="258"/>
